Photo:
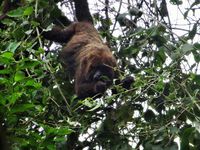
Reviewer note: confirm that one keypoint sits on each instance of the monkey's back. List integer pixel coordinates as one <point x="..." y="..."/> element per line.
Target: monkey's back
<point x="85" y="40"/>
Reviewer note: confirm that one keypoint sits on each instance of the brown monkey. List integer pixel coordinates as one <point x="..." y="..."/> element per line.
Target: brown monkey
<point x="87" y="58"/>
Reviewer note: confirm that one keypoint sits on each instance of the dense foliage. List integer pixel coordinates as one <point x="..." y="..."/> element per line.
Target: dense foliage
<point x="161" y="110"/>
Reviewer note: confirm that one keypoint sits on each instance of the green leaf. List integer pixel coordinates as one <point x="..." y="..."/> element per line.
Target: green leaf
<point x="196" y="56"/>
<point x="187" y="48"/>
<point x="135" y="12"/>
<point x="19" y="34"/>
<point x="59" y="139"/>
<point x="193" y="32"/>
<point x="173" y="130"/>
<point x="28" y="32"/>
<point x="28" y="11"/>
<point x="33" y="83"/>
<point x="96" y="106"/>
<point x="28" y="64"/>
<point x="14" y="97"/>
<point x="51" y="146"/>
<point x="2" y="100"/>
<point x="8" y="22"/>
<point x="88" y="102"/>
<point x="7" y="58"/>
<point x="197" y="46"/>
<point x="7" y="55"/>
<point x="173" y="146"/>
<point x="3" y="81"/>
<point x="132" y="49"/>
<point x="13" y="46"/>
<point x="35" y="24"/>
<point x="19" y="76"/>
<point x="160" y="56"/>
<point x="19" y="12"/>
<point x="161" y="28"/>
<point x="196" y="110"/>
<point x="63" y="130"/>
<point x="176" y="2"/>
<point x="121" y="18"/>
<point x="22" y="108"/>
<point x="185" y="137"/>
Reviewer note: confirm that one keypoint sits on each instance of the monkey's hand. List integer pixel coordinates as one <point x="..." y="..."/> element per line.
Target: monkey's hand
<point x="125" y="83"/>
<point x="100" y="87"/>
<point x="91" y="89"/>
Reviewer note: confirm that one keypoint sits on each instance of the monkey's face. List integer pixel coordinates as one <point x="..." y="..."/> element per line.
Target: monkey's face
<point x="101" y="73"/>
<point x="102" y="76"/>
<point x="95" y="72"/>
<point x="98" y="65"/>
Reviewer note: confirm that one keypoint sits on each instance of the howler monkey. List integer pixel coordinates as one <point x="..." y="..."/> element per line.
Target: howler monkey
<point x="87" y="58"/>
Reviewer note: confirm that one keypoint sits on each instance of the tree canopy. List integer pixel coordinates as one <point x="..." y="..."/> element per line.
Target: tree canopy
<point x="156" y="42"/>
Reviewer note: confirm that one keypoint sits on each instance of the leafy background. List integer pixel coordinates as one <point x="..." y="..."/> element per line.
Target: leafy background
<point x="161" y="110"/>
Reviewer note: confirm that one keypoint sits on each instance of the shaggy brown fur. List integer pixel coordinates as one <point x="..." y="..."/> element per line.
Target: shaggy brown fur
<point x="89" y="61"/>
<point x="84" y="55"/>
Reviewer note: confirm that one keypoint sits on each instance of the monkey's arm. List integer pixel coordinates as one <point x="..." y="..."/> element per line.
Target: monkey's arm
<point x="127" y="81"/>
<point x="60" y="35"/>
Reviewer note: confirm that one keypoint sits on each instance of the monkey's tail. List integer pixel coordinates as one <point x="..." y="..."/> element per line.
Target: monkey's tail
<point x="82" y="11"/>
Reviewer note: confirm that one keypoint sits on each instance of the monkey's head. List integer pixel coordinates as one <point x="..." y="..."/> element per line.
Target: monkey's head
<point x="97" y="70"/>
<point x="101" y="66"/>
